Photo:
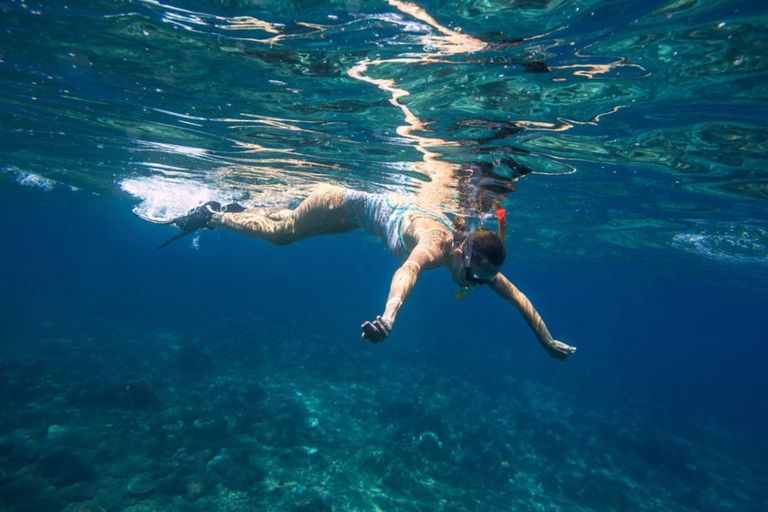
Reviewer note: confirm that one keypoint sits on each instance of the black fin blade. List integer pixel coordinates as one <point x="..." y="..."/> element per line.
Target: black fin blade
<point x="176" y="237"/>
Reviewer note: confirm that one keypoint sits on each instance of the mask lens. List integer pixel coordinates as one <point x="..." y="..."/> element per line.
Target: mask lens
<point x="474" y="278"/>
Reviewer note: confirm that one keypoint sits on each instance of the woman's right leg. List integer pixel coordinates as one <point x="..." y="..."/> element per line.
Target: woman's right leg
<point x="322" y="213"/>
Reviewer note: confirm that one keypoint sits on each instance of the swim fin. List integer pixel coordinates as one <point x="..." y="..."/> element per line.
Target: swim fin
<point x="198" y="218"/>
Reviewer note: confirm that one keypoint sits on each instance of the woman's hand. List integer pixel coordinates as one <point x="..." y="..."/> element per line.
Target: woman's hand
<point x="377" y="330"/>
<point x="559" y="350"/>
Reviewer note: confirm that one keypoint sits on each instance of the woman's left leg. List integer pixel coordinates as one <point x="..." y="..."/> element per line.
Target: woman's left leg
<point x="322" y="213"/>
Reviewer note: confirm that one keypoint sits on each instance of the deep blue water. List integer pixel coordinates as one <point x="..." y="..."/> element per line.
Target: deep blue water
<point x="226" y="373"/>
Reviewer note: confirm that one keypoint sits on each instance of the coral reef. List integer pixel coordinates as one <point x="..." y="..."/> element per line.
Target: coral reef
<point x="267" y="426"/>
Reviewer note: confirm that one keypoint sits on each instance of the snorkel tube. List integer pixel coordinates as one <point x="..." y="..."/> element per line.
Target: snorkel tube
<point x="501" y="215"/>
<point x="467" y="244"/>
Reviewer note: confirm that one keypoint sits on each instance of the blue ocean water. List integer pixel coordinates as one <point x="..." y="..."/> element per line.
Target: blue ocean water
<point x="625" y="140"/>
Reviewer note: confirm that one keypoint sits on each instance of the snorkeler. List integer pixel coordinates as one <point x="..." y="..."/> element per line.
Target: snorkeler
<point x="422" y="237"/>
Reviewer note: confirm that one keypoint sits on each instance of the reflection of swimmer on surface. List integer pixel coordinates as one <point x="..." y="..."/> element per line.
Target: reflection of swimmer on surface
<point x="420" y="236"/>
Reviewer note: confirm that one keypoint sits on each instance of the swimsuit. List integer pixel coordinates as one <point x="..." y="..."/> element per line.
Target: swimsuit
<point x="379" y="217"/>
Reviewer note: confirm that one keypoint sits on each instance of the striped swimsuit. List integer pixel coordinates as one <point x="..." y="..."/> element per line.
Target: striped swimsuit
<point x="379" y="217"/>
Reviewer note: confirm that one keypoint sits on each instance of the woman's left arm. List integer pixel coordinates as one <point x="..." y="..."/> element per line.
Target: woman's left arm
<point x="557" y="349"/>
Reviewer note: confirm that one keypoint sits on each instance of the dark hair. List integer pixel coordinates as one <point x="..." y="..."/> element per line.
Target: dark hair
<point x="487" y="244"/>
